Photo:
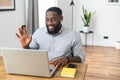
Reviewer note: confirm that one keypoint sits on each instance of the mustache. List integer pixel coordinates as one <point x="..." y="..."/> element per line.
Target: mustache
<point x="50" y="25"/>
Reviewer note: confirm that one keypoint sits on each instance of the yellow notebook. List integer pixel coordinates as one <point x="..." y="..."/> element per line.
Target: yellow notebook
<point x="68" y="72"/>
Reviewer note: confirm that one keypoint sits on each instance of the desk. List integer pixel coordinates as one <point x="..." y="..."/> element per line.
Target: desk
<point x="80" y="74"/>
<point x="90" y="32"/>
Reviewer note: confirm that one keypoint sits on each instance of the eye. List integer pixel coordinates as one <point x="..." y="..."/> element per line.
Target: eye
<point x="53" y="20"/>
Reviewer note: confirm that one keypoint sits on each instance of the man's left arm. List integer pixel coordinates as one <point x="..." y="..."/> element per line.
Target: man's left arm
<point x="74" y="59"/>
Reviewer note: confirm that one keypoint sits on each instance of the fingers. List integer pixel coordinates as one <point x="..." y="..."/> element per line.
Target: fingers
<point x="55" y="63"/>
<point x="17" y="35"/>
<point x="59" y="62"/>
<point x="23" y="26"/>
<point x="22" y="31"/>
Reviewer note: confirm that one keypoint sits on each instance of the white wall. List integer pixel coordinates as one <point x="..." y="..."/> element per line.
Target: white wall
<point x="9" y="23"/>
<point x="65" y="6"/>
<point x="42" y="10"/>
<point x="104" y="23"/>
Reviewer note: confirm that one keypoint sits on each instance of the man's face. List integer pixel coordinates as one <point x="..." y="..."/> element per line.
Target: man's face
<point x="53" y="22"/>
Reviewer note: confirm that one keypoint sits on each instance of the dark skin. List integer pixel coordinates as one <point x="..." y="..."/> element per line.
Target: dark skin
<point x="52" y="19"/>
<point x="53" y="22"/>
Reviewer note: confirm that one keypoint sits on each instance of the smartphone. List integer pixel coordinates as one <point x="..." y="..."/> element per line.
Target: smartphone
<point x="23" y="26"/>
<point x="72" y="65"/>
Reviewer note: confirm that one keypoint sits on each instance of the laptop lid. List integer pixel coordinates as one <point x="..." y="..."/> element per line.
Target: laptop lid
<point x="26" y="62"/>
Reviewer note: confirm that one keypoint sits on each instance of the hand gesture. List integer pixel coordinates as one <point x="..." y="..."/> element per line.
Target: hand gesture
<point x="23" y="37"/>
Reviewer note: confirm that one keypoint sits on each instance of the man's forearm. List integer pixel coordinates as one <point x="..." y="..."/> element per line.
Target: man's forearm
<point x="74" y="59"/>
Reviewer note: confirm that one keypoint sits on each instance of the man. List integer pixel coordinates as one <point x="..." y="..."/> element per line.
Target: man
<point x="63" y="44"/>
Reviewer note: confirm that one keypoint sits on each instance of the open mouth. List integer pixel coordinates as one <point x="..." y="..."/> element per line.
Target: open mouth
<point x="51" y="28"/>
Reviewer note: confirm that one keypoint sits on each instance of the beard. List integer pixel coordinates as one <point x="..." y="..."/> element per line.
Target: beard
<point x="56" y="30"/>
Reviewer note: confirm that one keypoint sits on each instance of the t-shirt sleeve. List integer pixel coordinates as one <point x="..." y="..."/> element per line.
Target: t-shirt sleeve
<point x="78" y="49"/>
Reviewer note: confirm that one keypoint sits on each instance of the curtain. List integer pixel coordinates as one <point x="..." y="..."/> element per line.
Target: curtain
<point x="32" y="16"/>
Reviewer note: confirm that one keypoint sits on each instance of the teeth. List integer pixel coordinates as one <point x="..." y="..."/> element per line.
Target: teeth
<point x="51" y="27"/>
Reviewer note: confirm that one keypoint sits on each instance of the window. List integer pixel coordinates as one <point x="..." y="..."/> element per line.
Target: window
<point x="43" y="6"/>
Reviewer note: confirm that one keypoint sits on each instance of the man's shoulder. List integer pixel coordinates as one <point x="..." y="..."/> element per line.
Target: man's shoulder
<point x="69" y="30"/>
<point x="40" y="30"/>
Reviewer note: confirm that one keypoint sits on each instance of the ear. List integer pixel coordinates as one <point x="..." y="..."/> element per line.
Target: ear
<point x="61" y="18"/>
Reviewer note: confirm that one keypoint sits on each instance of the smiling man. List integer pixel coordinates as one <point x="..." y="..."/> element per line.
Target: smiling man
<point x="63" y="44"/>
<point x="53" y="20"/>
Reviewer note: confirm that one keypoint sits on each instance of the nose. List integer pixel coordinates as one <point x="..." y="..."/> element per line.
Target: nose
<point x="49" y="22"/>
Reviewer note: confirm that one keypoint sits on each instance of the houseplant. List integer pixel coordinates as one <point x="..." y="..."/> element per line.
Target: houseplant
<point x="86" y="18"/>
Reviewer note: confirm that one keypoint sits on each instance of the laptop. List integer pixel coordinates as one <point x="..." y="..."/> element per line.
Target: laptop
<point x="27" y="62"/>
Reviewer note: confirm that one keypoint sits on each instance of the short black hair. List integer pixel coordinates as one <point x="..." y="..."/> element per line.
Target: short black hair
<point x="56" y="9"/>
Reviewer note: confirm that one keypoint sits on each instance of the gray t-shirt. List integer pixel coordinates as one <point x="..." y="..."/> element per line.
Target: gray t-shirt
<point x="66" y="42"/>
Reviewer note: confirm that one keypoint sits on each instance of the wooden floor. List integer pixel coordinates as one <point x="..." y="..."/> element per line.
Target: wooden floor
<point x="103" y="63"/>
